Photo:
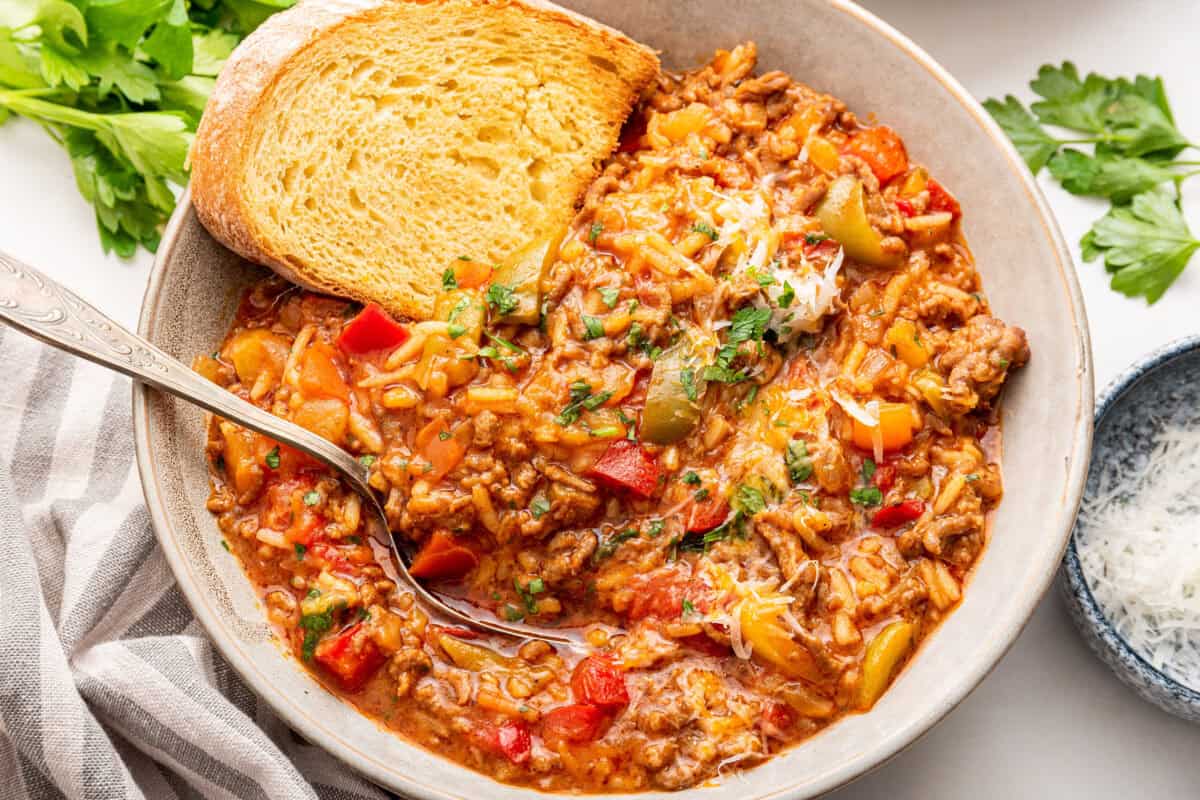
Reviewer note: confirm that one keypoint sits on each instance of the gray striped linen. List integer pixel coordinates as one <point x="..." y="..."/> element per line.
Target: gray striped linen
<point x="108" y="686"/>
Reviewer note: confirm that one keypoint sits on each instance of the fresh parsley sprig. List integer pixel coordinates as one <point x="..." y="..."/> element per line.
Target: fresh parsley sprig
<point x="1144" y="239"/>
<point x="121" y="84"/>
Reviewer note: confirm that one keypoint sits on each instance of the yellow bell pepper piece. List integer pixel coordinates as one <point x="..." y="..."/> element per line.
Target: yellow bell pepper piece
<point x="884" y="655"/>
<point x="905" y="342"/>
<point x="895" y="428"/>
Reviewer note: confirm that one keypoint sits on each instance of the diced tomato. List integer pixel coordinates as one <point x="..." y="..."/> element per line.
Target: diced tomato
<point x="661" y="594"/>
<point x="471" y="274"/>
<point x="443" y="557"/>
<point x="824" y="247"/>
<point x="442" y="447"/>
<point x="906" y="208"/>
<point x="776" y="719"/>
<point x="882" y="149"/>
<point x="942" y="200"/>
<point x="705" y="644"/>
<point x="373" y="329"/>
<point x="352" y="656"/>
<point x="581" y="722"/>
<point x="884" y="477"/>
<point x="627" y="465"/>
<point x="329" y="555"/>
<point x="510" y="739"/>
<point x="898" y="514"/>
<point x="707" y="514"/>
<point x="319" y="374"/>
<point x="597" y="681"/>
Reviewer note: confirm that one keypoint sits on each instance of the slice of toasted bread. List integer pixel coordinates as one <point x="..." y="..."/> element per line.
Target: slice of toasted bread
<point x="359" y="148"/>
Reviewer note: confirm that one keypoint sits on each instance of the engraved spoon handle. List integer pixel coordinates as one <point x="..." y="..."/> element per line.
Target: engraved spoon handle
<point x="36" y="305"/>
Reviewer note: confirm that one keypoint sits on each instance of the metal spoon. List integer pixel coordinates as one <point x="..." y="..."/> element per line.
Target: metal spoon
<point x="39" y="307"/>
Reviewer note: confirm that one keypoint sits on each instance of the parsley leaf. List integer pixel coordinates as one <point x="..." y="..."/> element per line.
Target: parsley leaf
<point x="312" y="497"/>
<point x="1115" y="177"/>
<point x="539" y="507"/>
<point x="610" y="294"/>
<point x="1145" y="245"/>
<point x="687" y="379"/>
<point x="501" y="298"/>
<point x="594" y="231"/>
<point x="448" y="280"/>
<point x="748" y="500"/>
<point x="272" y="458"/>
<point x="749" y="324"/>
<point x="706" y="229"/>
<point x="593" y="326"/>
<point x="798" y="463"/>
<point x="866" y="496"/>
<point x="1034" y="144"/>
<point x="609" y="547"/>
<point x="314" y="626"/>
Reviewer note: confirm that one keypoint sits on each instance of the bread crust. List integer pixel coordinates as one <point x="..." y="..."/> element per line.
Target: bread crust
<point x="221" y="148"/>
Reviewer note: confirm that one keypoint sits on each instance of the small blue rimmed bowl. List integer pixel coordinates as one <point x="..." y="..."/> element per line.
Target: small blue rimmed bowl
<point x="1160" y="388"/>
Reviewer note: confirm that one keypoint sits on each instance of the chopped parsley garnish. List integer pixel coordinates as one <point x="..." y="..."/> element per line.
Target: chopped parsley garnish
<point x="787" y="295"/>
<point x="455" y="330"/>
<point x="687" y="378"/>
<point x="444" y="435"/>
<point x="225" y="544"/>
<point x="315" y="626"/>
<point x="594" y="327"/>
<point x="610" y="295"/>
<point x="272" y="458"/>
<point x="868" y="469"/>
<point x="764" y="280"/>
<point x="594" y="231"/>
<point x="700" y="494"/>
<point x="972" y="477"/>
<point x="464" y="258"/>
<point x="312" y="497"/>
<point x="539" y="507"/>
<point x="505" y="343"/>
<point x="528" y="593"/>
<point x="459" y="307"/>
<point x="300" y="551"/>
<point x="815" y="238"/>
<point x="748" y="500"/>
<point x="608" y="431"/>
<point x="866" y="496"/>
<point x="706" y="229"/>
<point x="749" y="324"/>
<point x="687" y="608"/>
<point x="690" y="477"/>
<point x="512" y="613"/>
<point x="799" y="465"/>
<point x="655" y="528"/>
<point x="448" y="280"/>
<point x="609" y="547"/>
<point x="581" y="398"/>
<point x="367" y="460"/>
<point x="501" y="298"/>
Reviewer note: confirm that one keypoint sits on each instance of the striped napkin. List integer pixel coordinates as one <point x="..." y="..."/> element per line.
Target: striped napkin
<point x="108" y="686"/>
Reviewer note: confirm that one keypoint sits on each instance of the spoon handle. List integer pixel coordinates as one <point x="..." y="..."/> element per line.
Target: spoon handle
<point x="36" y="305"/>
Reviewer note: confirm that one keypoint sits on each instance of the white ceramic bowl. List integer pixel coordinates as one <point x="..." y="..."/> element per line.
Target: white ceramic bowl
<point x="834" y="46"/>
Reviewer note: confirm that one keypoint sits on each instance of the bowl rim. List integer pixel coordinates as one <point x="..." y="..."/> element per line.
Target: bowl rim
<point x="1094" y="616"/>
<point x="988" y="656"/>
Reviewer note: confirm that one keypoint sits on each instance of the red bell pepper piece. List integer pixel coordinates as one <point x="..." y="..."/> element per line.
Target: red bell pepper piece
<point x="373" y="329"/>
<point x="661" y="594"/>
<point x="352" y="656"/>
<point x="581" y="722"/>
<point x="443" y="557"/>
<point x="510" y="739"/>
<point x="884" y="477"/>
<point x="882" y="149"/>
<point x="707" y="514"/>
<point x="942" y="200"/>
<point x="776" y="719"/>
<point x="906" y="208"/>
<point x="627" y="465"/>
<point x="598" y="682"/>
<point x="898" y="514"/>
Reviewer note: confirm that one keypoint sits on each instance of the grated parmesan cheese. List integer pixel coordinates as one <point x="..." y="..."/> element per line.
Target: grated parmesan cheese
<point x="1139" y="549"/>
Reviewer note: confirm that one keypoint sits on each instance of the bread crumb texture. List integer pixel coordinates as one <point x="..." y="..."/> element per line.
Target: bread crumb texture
<point x="409" y="134"/>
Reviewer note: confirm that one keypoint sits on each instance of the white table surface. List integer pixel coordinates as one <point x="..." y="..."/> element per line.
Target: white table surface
<point x="1050" y="721"/>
